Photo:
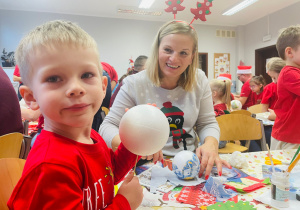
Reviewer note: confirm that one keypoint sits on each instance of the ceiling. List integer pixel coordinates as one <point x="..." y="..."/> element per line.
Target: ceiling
<point x="109" y="8"/>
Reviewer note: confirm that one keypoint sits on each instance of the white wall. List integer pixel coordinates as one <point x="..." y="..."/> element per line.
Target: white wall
<point x="255" y="31"/>
<point x="118" y="39"/>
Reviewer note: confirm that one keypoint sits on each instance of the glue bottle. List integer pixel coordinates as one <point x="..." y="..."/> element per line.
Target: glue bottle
<point x="280" y="189"/>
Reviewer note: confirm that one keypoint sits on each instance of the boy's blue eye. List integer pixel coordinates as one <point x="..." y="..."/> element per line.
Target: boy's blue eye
<point x="53" y="79"/>
<point x="87" y="75"/>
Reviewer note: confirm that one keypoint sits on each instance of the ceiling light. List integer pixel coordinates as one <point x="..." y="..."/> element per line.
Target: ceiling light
<point x="239" y="7"/>
<point x="146" y="4"/>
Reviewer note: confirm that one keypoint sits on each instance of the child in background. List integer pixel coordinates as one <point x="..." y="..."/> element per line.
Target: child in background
<point x="222" y="99"/>
<point x="269" y="98"/>
<point x="70" y="166"/>
<point x="285" y="133"/>
<point x="221" y="95"/>
<point x="257" y="84"/>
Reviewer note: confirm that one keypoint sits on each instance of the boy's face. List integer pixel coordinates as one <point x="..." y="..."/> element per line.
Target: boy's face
<point x="66" y="86"/>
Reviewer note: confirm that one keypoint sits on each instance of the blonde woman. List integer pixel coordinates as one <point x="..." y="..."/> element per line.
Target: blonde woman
<point x="174" y="83"/>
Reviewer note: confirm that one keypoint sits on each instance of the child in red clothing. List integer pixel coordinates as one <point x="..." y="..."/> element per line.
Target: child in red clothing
<point x="285" y="133"/>
<point x="222" y="98"/>
<point x="221" y="95"/>
<point x="70" y="166"/>
<point x="269" y="98"/>
<point x="257" y="84"/>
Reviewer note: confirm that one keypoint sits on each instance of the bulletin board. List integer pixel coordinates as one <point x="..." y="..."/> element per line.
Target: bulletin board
<point x="221" y="64"/>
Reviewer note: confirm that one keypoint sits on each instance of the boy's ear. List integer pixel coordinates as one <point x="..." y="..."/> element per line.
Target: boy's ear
<point x="289" y="52"/>
<point x="28" y="97"/>
<point x="104" y="84"/>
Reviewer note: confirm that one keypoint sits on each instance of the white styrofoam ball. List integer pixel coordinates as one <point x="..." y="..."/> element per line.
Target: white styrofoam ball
<point x="236" y="105"/>
<point x="186" y="165"/>
<point x="144" y="130"/>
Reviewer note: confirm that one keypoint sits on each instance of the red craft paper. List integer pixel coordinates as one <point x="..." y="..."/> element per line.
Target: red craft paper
<point x="195" y="196"/>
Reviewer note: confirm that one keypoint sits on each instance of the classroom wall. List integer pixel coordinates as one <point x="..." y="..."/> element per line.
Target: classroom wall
<point x="118" y="39"/>
<point x="255" y="31"/>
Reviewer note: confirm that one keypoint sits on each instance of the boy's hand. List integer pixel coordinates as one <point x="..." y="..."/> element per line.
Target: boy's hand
<point x="132" y="190"/>
<point x="156" y="157"/>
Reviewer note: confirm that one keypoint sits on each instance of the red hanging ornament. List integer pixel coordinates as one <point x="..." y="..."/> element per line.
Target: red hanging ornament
<point x="174" y="6"/>
<point x="202" y="10"/>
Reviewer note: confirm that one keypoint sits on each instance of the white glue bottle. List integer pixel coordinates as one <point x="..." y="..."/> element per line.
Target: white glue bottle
<point x="280" y="190"/>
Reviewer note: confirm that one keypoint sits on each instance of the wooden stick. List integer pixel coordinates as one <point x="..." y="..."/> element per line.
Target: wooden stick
<point x="135" y="163"/>
<point x="292" y="165"/>
<point x="271" y="159"/>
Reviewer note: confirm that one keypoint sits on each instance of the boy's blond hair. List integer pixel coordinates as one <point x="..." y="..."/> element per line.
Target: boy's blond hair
<point x="289" y="37"/>
<point x="188" y="77"/>
<point x="51" y="35"/>
<point x="275" y="64"/>
<point x="222" y="87"/>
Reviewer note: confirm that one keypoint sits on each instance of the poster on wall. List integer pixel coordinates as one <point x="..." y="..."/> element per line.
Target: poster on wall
<point x="221" y="64"/>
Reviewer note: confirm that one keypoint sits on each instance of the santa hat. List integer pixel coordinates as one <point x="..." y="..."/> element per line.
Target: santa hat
<point x="244" y="70"/>
<point x="224" y="76"/>
<point x="170" y="110"/>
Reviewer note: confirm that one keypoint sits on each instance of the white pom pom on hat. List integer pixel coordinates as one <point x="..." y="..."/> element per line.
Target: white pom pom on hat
<point x="244" y="70"/>
<point x="224" y="76"/>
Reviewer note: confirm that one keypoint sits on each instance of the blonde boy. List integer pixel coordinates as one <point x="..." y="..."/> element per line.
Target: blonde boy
<point x="285" y="133"/>
<point x="69" y="166"/>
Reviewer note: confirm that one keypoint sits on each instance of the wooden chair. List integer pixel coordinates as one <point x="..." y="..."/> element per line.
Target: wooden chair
<point x="255" y="108"/>
<point x="10" y="145"/>
<point x="244" y="112"/>
<point x="11" y="171"/>
<point x="236" y="127"/>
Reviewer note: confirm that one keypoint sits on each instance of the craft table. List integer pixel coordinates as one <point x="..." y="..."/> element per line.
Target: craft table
<point x="255" y="161"/>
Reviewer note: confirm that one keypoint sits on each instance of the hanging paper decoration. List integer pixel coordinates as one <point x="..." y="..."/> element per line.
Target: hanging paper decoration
<point x="174" y="6"/>
<point x="202" y="10"/>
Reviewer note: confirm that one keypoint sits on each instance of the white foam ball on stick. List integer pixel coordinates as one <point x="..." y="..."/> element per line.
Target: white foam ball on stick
<point x="144" y="130"/>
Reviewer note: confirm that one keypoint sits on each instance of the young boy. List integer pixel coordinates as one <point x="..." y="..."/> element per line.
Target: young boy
<point x="69" y="166"/>
<point x="285" y="133"/>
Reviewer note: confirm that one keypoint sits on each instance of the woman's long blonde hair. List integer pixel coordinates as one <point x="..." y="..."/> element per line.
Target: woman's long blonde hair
<point x="188" y="77"/>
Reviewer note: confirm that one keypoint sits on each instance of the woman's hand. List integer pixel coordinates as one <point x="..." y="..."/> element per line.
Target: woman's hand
<point x="208" y="156"/>
<point x="156" y="157"/>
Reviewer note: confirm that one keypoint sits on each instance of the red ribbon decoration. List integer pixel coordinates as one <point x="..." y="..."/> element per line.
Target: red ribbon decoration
<point x="174" y="6"/>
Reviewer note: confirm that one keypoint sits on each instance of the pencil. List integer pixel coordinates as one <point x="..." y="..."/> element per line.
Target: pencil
<point x="271" y="159"/>
<point x="292" y="165"/>
<point x="295" y="154"/>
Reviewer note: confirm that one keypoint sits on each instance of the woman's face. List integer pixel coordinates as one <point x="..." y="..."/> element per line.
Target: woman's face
<point x="175" y="54"/>
<point x="274" y="75"/>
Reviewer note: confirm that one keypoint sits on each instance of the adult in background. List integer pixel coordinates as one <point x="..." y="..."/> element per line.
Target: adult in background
<point x="10" y="112"/>
<point x="182" y="92"/>
<point x="139" y="65"/>
<point x="244" y="74"/>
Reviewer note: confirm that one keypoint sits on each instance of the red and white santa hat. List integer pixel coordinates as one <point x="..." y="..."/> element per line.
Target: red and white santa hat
<point x="224" y="76"/>
<point x="244" y="70"/>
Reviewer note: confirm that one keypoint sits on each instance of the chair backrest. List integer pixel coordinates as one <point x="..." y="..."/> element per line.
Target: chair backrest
<point x="10" y="145"/>
<point x="235" y="127"/>
<point x="255" y="108"/>
<point x="244" y="112"/>
<point x="10" y="172"/>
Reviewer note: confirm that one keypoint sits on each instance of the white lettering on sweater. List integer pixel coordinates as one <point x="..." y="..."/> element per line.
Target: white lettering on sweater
<point x="87" y="194"/>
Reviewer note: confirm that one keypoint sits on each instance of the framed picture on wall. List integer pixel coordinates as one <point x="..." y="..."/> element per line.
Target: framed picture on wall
<point x="221" y="64"/>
